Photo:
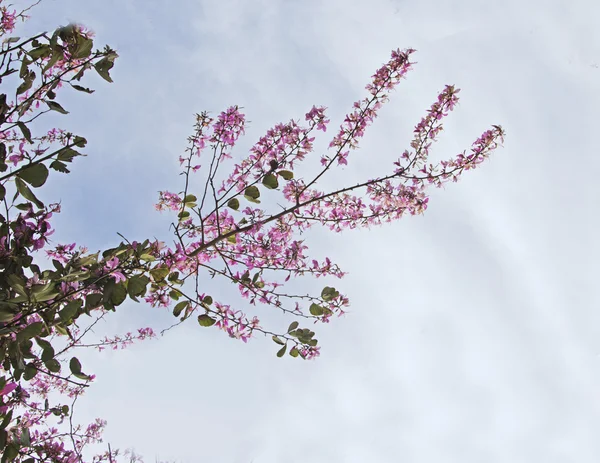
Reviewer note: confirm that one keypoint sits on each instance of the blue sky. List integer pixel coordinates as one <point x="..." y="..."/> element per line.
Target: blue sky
<point x="474" y="329"/>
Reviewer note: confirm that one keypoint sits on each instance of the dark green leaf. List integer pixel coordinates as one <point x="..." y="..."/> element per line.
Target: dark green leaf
<point x="205" y="320"/>
<point x="54" y="106"/>
<point x="75" y="366"/>
<point x="159" y="274"/>
<point x="104" y="65"/>
<point x="329" y="293"/>
<point x="84" y="47"/>
<point x="281" y="351"/>
<point x="292" y="326"/>
<point x="233" y="204"/>
<point x="179" y="308"/>
<point x="252" y="192"/>
<point x="119" y="294"/>
<point x="294" y="352"/>
<point x="24" y="190"/>
<point x="278" y="341"/>
<point x="60" y="167"/>
<point x="35" y="175"/>
<point x="30" y="372"/>
<point x="40" y="52"/>
<point x="207" y="300"/>
<point x="82" y="89"/>
<point x="30" y="331"/>
<point x="316" y="310"/>
<point x="70" y="310"/>
<point x="53" y="365"/>
<point x="270" y="181"/>
<point x="2" y="192"/>
<point x="286" y="174"/>
<point x="136" y="286"/>
<point x="25" y="131"/>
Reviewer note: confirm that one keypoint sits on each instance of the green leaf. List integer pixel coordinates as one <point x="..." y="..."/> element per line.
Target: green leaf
<point x="70" y="310"/>
<point x="25" y="131"/>
<point x="53" y="365"/>
<point x="75" y="366"/>
<point x="79" y="141"/>
<point x="329" y="293"/>
<point x="294" y="352"/>
<point x="84" y="47"/>
<point x="136" y="286"/>
<point x="35" y="175"/>
<point x="30" y="372"/>
<point x="119" y="294"/>
<point x="59" y="167"/>
<point x="286" y="174"/>
<point x="270" y="181"/>
<point x="10" y="452"/>
<point x="159" y="274"/>
<point x="104" y="65"/>
<point x="292" y="326"/>
<point x="207" y="300"/>
<point x="6" y="314"/>
<point x="2" y="192"/>
<point x="92" y="301"/>
<point x="30" y="331"/>
<point x="278" y="341"/>
<point x="316" y="310"/>
<point x="82" y="89"/>
<point x="281" y="351"/>
<point x="179" y="308"/>
<point x="205" y="320"/>
<point x="233" y="204"/>
<point x="67" y="154"/>
<point x="40" y="52"/>
<point x="54" y="106"/>
<point x="252" y="192"/>
<point x="190" y="199"/>
<point x="24" y="190"/>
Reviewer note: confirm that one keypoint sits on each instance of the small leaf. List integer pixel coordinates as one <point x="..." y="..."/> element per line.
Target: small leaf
<point x="30" y="372"/>
<point x="205" y="320"/>
<point x="179" y="308"/>
<point x="104" y="65"/>
<point x="54" y="106"/>
<point x="70" y="310"/>
<point x="281" y="351"/>
<point x="278" y="341"/>
<point x="53" y="365"/>
<point x="252" y="192"/>
<point x="294" y="352"/>
<point x="59" y="167"/>
<point x="292" y="326"/>
<point x="35" y="175"/>
<point x="75" y="365"/>
<point x="286" y="174"/>
<point x="190" y="199"/>
<point x="24" y="190"/>
<point x="234" y="204"/>
<point x="25" y="131"/>
<point x="82" y="89"/>
<point x="119" y="294"/>
<point x="270" y="181"/>
<point x="207" y="300"/>
<point x="136" y="286"/>
<point x="159" y="274"/>
<point x="329" y="293"/>
<point x="316" y="310"/>
<point x="30" y="331"/>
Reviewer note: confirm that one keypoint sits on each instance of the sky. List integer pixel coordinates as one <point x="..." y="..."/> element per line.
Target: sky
<point x="474" y="329"/>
